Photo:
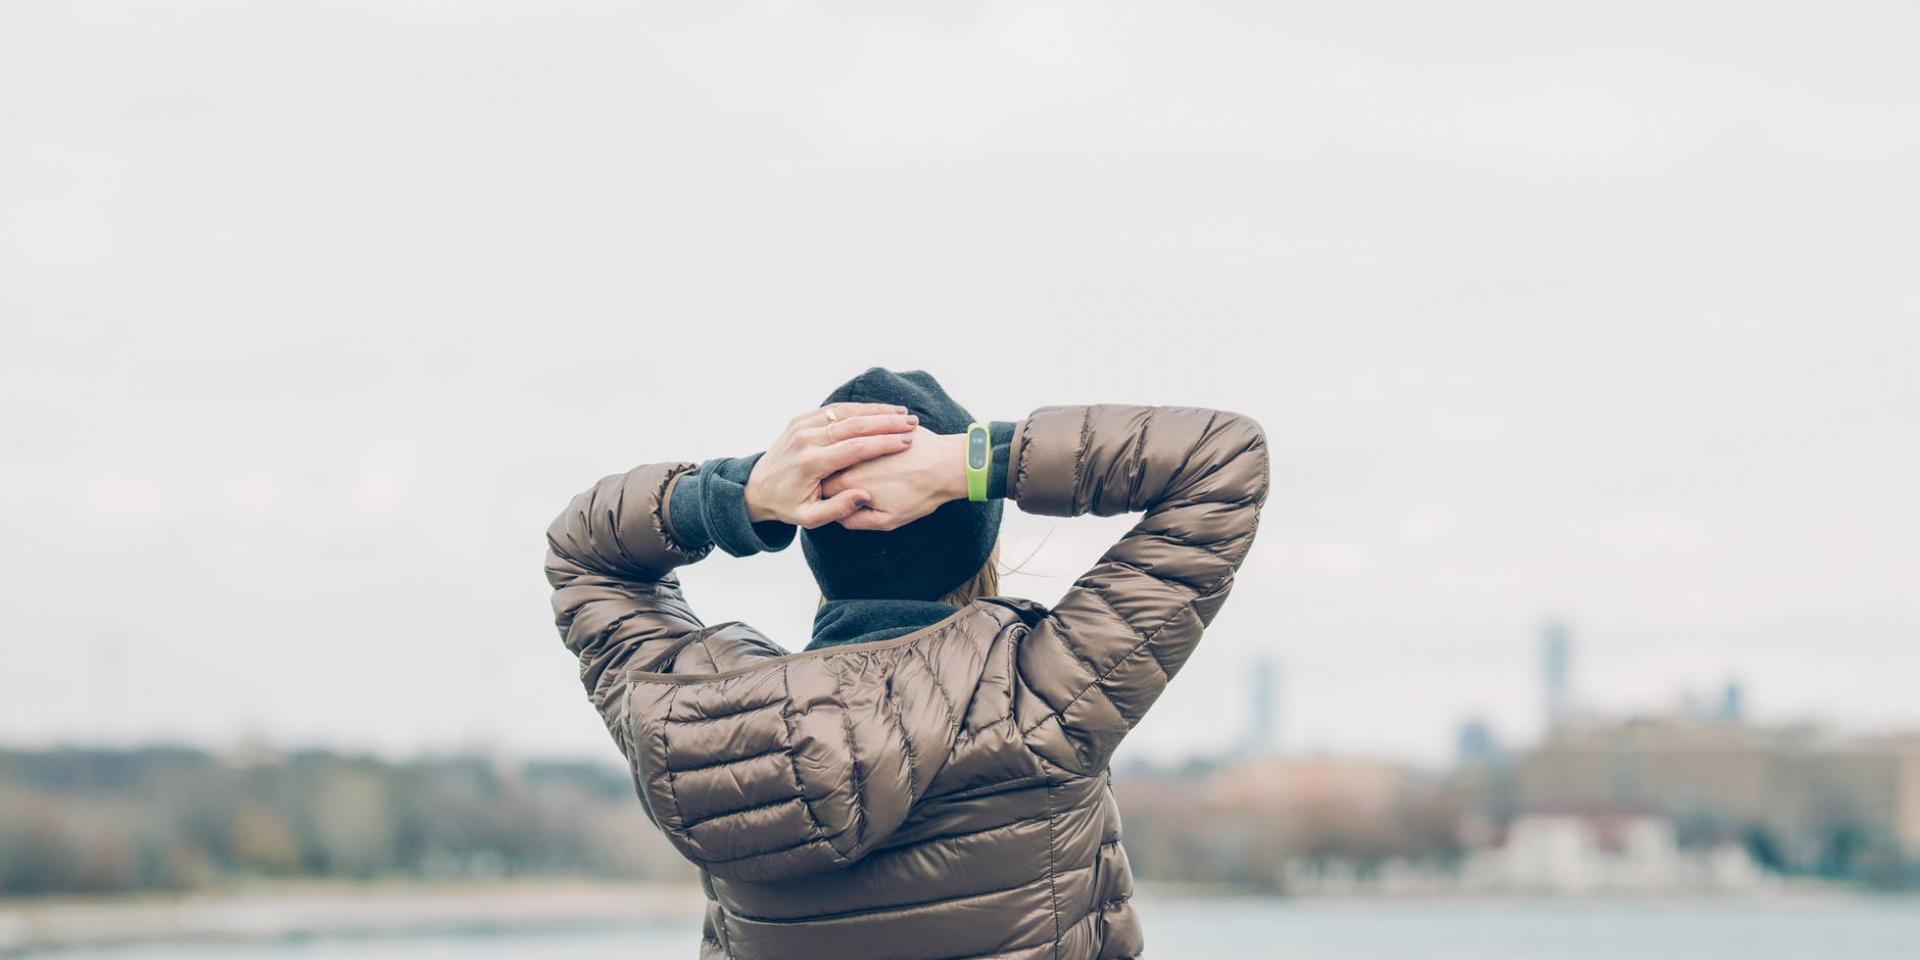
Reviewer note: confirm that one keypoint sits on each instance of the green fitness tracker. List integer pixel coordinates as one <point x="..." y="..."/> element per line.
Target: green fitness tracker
<point x="979" y="458"/>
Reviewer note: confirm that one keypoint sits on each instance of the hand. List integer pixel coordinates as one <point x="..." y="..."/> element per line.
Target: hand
<point x="906" y="486"/>
<point x="785" y="483"/>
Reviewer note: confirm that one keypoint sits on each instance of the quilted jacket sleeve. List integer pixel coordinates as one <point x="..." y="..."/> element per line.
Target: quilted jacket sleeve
<point x="755" y="766"/>
<point x="610" y="560"/>
<point x="1088" y="672"/>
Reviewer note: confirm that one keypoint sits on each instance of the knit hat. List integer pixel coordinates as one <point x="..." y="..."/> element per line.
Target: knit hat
<point x="927" y="558"/>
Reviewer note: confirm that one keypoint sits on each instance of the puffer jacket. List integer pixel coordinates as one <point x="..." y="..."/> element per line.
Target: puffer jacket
<point x="940" y="795"/>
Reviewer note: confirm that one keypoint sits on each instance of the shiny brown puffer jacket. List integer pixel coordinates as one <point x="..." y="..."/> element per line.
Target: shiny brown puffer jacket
<point x="938" y="796"/>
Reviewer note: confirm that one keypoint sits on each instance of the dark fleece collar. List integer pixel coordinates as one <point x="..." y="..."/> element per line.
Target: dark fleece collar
<point x="864" y="621"/>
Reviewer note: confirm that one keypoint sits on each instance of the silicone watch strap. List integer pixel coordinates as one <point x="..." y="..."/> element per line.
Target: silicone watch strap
<point x="979" y="460"/>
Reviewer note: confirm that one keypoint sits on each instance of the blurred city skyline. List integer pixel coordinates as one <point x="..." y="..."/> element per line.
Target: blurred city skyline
<point x="312" y="323"/>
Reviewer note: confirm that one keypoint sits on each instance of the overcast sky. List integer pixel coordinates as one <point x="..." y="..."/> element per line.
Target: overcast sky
<point x="315" y="314"/>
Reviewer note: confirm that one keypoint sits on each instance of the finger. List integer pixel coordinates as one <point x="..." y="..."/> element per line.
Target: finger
<point x="867" y="426"/>
<point x="835" y="457"/>
<point x="834" y="485"/>
<point x="867" y="519"/>
<point x="844" y="411"/>
<point x="841" y="505"/>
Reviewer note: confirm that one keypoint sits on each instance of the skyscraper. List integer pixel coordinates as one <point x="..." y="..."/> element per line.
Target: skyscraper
<point x="1556" y="661"/>
<point x="1733" y="702"/>
<point x="1476" y="743"/>
<point x="1262" y="708"/>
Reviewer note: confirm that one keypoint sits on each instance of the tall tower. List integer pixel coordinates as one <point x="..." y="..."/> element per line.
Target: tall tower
<point x="1556" y="661"/>
<point x="1733" y="702"/>
<point x="1262" y="708"/>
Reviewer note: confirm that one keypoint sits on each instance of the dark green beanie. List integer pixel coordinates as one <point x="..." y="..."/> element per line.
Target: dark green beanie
<point x="927" y="558"/>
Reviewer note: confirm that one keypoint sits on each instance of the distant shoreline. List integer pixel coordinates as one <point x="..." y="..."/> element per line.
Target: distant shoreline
<point x="295" y="909"/>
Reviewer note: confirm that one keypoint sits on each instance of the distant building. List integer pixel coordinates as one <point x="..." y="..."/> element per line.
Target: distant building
<point x="1592" y="854"/>
<point x="1556" y="663"/>
<point x="1483" y="776"/>
<point x="1713" y="776"/>
<point x="1476" y="743"/>
<point x="1728" y="704"/>
<point x="1733" y="703"/>
<point x="1350" y="785"/>
<point x="1263" y="709"/>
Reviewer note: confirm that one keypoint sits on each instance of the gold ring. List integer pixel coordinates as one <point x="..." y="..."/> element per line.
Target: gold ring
<point x="831" y="416"/>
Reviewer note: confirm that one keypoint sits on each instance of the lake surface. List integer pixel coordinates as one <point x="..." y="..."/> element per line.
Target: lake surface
<point x="1220" y="929"/>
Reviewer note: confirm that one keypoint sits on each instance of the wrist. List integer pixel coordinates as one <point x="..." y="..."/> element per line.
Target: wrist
<point x="952" y="478"/>
<point x="758" y="510"/>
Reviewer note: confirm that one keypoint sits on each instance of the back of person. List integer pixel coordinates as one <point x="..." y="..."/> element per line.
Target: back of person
<point x="934" y="785"/>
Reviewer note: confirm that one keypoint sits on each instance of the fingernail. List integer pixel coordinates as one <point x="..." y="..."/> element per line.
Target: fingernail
<point x="899" y="409"/>
<point x="913" y="420"/>
<point x="906" y="438"/>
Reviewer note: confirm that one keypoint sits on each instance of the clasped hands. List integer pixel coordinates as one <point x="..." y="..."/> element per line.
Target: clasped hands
<point x="866" y="466"/>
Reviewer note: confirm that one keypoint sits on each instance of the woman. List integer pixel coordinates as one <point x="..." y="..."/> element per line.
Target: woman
<point x="929" y="778"/>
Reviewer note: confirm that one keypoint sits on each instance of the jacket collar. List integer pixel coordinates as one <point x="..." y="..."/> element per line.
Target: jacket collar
<point x="864" y="621"/>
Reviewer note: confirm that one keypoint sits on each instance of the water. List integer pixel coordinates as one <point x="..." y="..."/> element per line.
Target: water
<point x="1802" y="929"/>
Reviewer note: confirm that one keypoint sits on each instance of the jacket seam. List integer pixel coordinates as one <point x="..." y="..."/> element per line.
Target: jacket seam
<point x="776" y="851"/>
<point x="1139" y="634"/>
<point x="1053" y="871"/>
<point x="613" y="526"/>
<point x="947" y="837"/>
<point x="906" y="742"/>
<point x="1063" y="635"/>
<point x="782" y="660"/>
<point x="666" y="751"/>
<point x="953" y="716"/>
<point x="857" y="810"/>
<point x="722" y="937"/>
<point x="1137" y="468"/>
<point x="974" y="734"/>
<point x="806" y="806"/>
<point x="668" y="648"/>
<point x="1060" y="714"/>
<point x="895" y="907"/>
<point x="1216" y="547"/>
<point x="728" y="763"/>
<point x="690" y="721"/>
<point x="996" y="955"/>
<point x="1152" y="651"/>
<point x="722" y="815"/>
<point x="553" y="547"/>
<point x="606" y="632"/>
<point x="1130" y="565"/>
